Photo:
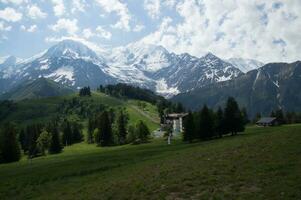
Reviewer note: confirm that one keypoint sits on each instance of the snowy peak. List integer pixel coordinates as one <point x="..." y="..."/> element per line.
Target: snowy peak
<point x="71" y="49"/>
<point x="245" y="65"/>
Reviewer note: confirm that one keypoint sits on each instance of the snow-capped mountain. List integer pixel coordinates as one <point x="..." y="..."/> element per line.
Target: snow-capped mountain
<point x="68" y="62"/>
<point x="189" y="72"/>
<point x="245" y="65"/>
<point x="74" y="64"/>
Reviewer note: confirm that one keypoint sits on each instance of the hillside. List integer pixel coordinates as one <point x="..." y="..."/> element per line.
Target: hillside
<point x="42" y="110"/>
<point x="262" y="163"/>
<point x="36" y="89"/>
<point x="273" y="86"/>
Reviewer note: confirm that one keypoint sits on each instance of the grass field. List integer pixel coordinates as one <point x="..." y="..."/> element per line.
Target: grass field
<point x="262" y="163"/>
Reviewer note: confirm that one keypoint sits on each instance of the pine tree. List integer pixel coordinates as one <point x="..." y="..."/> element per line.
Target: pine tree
<point x="245" y="116"/>
<point x="67" y="136"/>
<point x="105" y="128"/>
<point x="9" y="147"/>
<point x="55" y="144"/>
<point x="32" y="132"/>
<point x="77" y="135"/>
<point x="189" y="128"/>
<point x="122" y="120"/>
<point x="220" y="124"/>
<point x="91" y="127"/>
<point x="206" y="123"/>
<point x="233" y="119"/>
<point x="142" y="132"/>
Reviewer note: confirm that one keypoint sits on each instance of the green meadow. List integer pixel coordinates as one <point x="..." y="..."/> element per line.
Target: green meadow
<point x="261" y="163"/>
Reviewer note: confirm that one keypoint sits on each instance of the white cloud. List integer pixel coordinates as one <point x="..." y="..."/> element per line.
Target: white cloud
<point x="10" y="14"/>
<point x="35" y="12"/>
<point x="3" y="27"/>
<point x="31" y="29"/>
<point x="138" y="28"/>
<point x="99" y="50"/>
<point x="259" y="29"/>
<point x="100" y="32"/>
<point x="116" y="6"/>
<point x="17" y="2"/>
<point x="153" y="8"/>
<point x="87" y="33"/>
<point x="58" y="7"/>
<point x="78" y="5"/>
<point x="70" y="26"/>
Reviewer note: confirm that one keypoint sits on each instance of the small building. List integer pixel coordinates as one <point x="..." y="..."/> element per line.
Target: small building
<point x="176" y="121"/>
<point x="267" y="121"/>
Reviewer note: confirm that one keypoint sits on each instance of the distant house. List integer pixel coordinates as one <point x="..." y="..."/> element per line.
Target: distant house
<point x="267" y="121"/>
<point x="176" y="120"/>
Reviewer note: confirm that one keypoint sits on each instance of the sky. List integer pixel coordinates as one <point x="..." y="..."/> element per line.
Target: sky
<point x="266" y="30"/>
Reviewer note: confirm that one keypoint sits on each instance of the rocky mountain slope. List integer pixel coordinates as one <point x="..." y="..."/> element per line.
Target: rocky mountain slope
<point x="150" y="66"/>
<point x="275" y="85"/>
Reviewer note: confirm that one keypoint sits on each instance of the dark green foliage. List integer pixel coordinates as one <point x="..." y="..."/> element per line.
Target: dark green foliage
<point x="142" y="132"/>
<point x="138" y="134"/>
<point x="67" y="136"/>
<point x="91" y="126"/>
<point x="206" y="124"/>
<point x="9" y="147"/>
<point x="131" y="92"/>
<point x="233" y="118"/>
<point x="55" y="144"/>
<point x="85" y="91"/>
<point x="189" y="128"/>
<point x="220" y="122"/>
<point x="121" y="123"/>
<point x="6" y="107"/>
<point x="71" y="133"/>
<point x="32" y="134"/>
<point x="104" y="126"/>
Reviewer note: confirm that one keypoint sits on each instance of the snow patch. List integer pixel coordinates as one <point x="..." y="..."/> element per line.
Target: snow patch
<point x="163" y="89"/>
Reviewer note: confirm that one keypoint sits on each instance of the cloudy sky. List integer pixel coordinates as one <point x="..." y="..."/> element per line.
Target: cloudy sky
<point x="267" y="30"/>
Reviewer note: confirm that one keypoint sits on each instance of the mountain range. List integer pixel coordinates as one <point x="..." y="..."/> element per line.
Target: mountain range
<point x="273" y="86"/>
<point x="75" y="65"/>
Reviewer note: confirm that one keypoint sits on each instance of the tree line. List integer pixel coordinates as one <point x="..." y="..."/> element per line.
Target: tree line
<point x="109" y="128"/>
<point x="207" y="123"/>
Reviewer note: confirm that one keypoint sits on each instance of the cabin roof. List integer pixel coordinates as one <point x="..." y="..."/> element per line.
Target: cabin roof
<point x="176" y="115"/>
<point x="266" y="120"/>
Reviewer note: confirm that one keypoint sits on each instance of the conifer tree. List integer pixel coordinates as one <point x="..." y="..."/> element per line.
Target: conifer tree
<point x="122" y="120"/>
<point x="142" y="131"/>
<point x="233" y="119"/>
<point x="206" y="123"/>
<point x="105" y="129"/>
<point x="67" y="136"/>
<point x="189" y="128"/>
<point x="91" y="127"/>
<point x="9" y="147"/>
<point x="55" y="144"/>
<point x="220" y="124"/>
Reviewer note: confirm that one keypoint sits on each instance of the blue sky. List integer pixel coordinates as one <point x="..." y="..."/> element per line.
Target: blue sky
<point x="267" y="30"/>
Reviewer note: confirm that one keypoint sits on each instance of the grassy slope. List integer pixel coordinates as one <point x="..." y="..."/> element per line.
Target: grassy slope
<point x="263" y="163"/>
<point x="42" y="110"/>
